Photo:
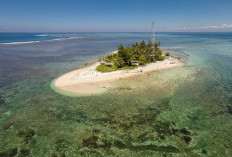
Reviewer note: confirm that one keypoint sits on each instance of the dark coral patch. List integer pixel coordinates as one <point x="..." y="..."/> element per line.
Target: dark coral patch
<point x="2" y="101"/>
<point x="8" y="125"/>
<point x="184" y="131"/>
<point x="24" y="152"/>
<point x="187" y="139"/>
<point x="27" y="135"/>
<point x="229" y="109"/>
<point x="10" y="153"/>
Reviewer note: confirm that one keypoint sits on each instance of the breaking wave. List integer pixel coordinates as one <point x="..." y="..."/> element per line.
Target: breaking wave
<point x="58" y="37"/>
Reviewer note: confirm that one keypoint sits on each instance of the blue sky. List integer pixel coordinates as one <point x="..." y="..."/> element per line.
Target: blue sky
<point x="114" y="15"/>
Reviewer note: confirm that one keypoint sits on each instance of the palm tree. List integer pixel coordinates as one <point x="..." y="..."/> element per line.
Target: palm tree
<point x="143" y="44"/>
<point x="156" y="45"/>
<point x="136" y="50"/>
<point x="119" y="62"/>
<point x="120" y="47"/>
<point x="136" y="44"/>
<point x="142" y="59"/>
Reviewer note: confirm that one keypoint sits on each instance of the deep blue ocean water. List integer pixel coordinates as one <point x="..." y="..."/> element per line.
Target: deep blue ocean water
<point x="184" y="111"/>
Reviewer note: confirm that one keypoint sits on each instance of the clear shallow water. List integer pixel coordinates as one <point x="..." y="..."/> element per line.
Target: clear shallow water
<point x="186" y="111"/>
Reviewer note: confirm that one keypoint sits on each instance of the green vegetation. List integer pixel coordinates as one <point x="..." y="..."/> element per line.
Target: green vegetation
<point x="105" y="68"/>
<point x="167" y="54"/>
<point x="130" y="57"/>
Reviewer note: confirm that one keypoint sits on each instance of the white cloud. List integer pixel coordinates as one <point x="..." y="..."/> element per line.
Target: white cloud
<point x="226" y="26"/>
<point x="223" y="27"/>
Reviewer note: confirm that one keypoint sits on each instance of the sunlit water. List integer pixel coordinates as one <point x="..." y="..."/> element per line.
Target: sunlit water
<point x="184" y="111"/>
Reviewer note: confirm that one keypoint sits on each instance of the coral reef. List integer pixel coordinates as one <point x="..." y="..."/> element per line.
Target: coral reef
<point x="27" y="135"/>
<point x="10" y="153"/>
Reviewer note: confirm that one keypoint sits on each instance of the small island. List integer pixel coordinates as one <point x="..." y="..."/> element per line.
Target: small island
<point x="137" y="59"/>
<point x="132" y="56"/>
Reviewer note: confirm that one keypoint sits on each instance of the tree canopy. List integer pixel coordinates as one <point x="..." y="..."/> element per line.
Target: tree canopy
<point x="141" y="53"/>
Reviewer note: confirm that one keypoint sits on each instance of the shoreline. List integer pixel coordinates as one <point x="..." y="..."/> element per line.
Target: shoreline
<point x="88" y="81"/>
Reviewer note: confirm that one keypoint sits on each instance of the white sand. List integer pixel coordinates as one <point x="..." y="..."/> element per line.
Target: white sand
<point x="89" y="81"/>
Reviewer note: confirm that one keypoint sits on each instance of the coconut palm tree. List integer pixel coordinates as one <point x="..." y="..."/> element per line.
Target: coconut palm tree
<point x="143" y="44"/>
<point x="120" y="47"/>
<point x="119" y="62"/>
<point x="142" y="59"/>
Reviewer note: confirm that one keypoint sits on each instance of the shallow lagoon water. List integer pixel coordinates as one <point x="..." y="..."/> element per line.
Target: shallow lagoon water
<point x="184" y="111"/>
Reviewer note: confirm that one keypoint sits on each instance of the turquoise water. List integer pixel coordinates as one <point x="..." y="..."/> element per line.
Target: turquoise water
<point x="185" y="111"/>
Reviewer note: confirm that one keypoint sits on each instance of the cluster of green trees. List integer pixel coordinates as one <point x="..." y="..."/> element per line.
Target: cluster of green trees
<point x="141" y="53"/>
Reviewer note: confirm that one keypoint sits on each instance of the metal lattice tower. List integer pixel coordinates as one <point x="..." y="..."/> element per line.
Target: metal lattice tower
<point x="153" y="31"/>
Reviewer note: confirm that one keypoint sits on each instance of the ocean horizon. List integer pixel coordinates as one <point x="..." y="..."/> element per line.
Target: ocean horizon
<point x="30" y="37"/>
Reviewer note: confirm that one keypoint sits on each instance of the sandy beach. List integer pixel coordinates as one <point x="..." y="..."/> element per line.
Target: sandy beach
<point x="89" y="81"/>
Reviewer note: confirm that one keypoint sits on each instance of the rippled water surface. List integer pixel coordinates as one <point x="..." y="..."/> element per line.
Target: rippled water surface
<point x="184" y="111"/>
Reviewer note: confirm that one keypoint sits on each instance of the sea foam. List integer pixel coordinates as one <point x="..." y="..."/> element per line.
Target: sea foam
<point x="41" y="35"/>
<point x="30" y="42"/>
<point x="16" y="43"/>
